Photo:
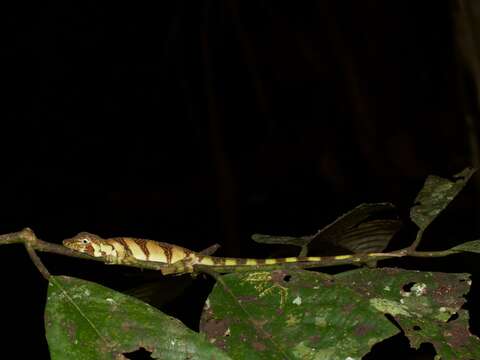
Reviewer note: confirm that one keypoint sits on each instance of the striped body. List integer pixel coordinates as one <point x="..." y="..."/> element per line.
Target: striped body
<point x="117" y="250"/>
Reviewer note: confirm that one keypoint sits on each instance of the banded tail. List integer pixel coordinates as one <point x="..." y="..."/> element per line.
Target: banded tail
<point x="121" y="248"/>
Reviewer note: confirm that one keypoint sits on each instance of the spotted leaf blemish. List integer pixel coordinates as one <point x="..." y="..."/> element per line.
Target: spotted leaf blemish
<point x="320" y="321"/>
<point x="389" y="307"/>
<point x="303" y="351"/>
<point x="297" y="301"/>
<point x="444" y="313"/>
<point x="419" y="289"/>
<point x="292" y="320"/>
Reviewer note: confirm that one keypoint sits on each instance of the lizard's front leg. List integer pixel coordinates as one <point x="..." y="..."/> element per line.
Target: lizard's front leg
<point x="115" y="260"/>
<point x="180" y="267"/>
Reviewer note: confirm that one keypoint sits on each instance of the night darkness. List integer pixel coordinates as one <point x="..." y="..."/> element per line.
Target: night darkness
<point x="204" y="122"/>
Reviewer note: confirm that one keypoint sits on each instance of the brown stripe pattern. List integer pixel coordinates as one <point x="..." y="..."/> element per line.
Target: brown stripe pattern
<point x="143" y="246"/>
<point x="183" y="260"/>
<point x="126" y="248"/>
<point x="167" y="250"/>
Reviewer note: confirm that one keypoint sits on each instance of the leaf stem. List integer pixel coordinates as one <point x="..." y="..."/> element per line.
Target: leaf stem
<point x="418" y="238"/>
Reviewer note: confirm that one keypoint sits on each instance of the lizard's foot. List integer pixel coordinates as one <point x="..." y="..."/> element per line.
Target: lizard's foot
<point x="113" y="260"/>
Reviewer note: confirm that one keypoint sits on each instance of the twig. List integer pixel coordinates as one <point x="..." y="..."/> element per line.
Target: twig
<point x="32" y="244"/>
<point x="36" y="260"/>
<point x="418" y="238"/>
<point x="432" y="253"/>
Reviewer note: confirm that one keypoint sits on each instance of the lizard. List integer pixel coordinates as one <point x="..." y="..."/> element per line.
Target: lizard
<point x="119" y="250"/>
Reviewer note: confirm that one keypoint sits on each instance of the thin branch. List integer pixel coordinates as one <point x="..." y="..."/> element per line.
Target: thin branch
<point x="32" y="244"/>
<point x="36" y="260"/>
<point x="418" y="238"/>
<point x="18" y="237"/>
<point x="432" y="253"/>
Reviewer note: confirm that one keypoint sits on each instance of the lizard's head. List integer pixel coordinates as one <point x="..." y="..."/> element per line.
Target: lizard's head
<point x="84" y="242"/>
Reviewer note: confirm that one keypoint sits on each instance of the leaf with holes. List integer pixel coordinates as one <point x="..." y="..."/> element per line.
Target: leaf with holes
<point x="427" y="305"/>
<point x="291" y="315"/>
<point x="435" y="195"/>
<point x="88" y="321"/>
<point x="300" y="314"/>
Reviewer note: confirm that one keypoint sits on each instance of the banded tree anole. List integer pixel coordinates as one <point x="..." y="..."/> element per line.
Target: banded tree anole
<point x="179" y="260"/>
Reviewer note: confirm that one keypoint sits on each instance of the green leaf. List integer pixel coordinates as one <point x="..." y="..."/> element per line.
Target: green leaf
<point x="427" y="306"/>
<point x="291" y="315"/>
<point x="303" y="315"/>
<point x="435" y="195"/>
<point x="470" y="246"/>
<point x="88" y="321"/>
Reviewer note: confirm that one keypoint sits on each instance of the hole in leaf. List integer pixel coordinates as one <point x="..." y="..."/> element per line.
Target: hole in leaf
<point x="452" y="317"/>
<point x="402" y="350"/>
<point x="287" y="278"/>
<point x="140" y="354"/>
<point x="417" y="328"/>
<point x="408" y="287"/>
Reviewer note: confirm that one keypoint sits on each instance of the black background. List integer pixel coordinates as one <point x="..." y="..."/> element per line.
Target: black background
<point x="204" y="122"/>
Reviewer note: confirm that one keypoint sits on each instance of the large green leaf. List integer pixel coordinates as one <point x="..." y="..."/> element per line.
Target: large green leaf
<point x="291" y="315"/>
<point x="305" y="315"/>
<point x="85" y="320"/>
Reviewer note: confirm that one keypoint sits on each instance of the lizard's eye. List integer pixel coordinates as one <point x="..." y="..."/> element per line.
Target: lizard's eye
<point x="85" y="241"/>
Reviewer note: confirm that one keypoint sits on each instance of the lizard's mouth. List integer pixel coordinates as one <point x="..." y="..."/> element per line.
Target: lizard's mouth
<point x="69" y="244"/>
<point x="80" y="247"/>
